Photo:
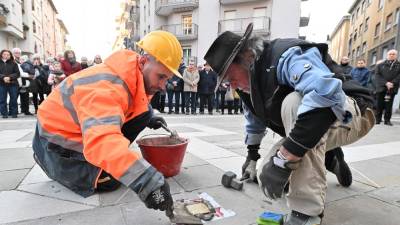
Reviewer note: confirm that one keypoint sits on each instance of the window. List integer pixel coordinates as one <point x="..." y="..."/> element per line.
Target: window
<point x="373" y="58"/>
<point x="34" y="27"/>
<point x="350" y="43"/>
<point x="397" y="16"/>
<point x="358" y="51"/>
<point x="363" y="6"/>
<point x="357" y="12"/>
<point x="352" y="18"/>
<point x="361" y="26"/>
<point x="384" y="52"/>
<point x="353" y="53"/>
<point x="377" y="29"/>
<point x="366" y="24"/>
<point x="187" y="54"/>
<point x="258" y="18"/>
<point x="389" y="21"/>
<point x="187" y="24"/>
<point x="33" y="5"/>
<point x="380" y="4"/>
<point x="364" y="47"/>
<point x="229" y="17"/>
<point x="355" y="35"/>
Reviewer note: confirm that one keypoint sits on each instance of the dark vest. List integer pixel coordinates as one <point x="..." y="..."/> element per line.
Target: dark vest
<point x="266" y="94"/>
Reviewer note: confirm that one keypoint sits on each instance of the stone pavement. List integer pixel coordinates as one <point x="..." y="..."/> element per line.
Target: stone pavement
<point x="216" y="145"/>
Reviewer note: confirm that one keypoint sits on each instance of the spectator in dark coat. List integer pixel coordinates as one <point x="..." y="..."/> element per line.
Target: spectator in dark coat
<point x="9" y="73"/>
<point x="361" y="73"/>
<point x="207" y="83"/>
<point x="387" y="78"/>
<point x="175" y="89"/>
<point x="69" y="65"/>
<point x="344" y="63"/>
<point x="39" y="83"/>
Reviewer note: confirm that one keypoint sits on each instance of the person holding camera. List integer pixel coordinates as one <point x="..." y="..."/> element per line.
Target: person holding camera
<point x="387" y="84"/>
<point x="56" y="75"/>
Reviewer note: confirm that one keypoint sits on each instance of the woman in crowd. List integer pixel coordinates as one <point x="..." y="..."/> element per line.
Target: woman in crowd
<point x="69" y="65"/>
<point x="56" y="75"/>
<point x="9" y="74"/>
<point x="191" y="77"/>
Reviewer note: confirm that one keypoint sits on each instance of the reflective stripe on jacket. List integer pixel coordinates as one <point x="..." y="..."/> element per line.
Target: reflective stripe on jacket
<point x="86" y="111"/>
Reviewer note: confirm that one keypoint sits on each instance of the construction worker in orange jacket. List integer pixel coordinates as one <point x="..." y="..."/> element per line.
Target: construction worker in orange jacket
<point x="87" y="123"/>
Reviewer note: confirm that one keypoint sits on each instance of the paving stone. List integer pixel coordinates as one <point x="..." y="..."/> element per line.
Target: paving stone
<point x="193" y="178"/>
<point x="373" y="151"/>
<point x="191" y="160"/>
<point x="27" y="137"/>
<point x="53" y="189"/>
<point x="233" y="164"/>
<point x="361" y="210"/>
<point x="175" y="188"/>
<point x="336" y="191"/>
<point x="205" y="150"/>
<point x="381" y="172"/>
<point x="12" y="159"/>
<point x="36" y="175"/>
<point x="137" y="214"/>
<point x="388" y="194"/>
<point x="10" y="179"/>
<point x="18" y="206"/>
<point x="119" y="196"/>
<point x="9" y="136"/>
<point x="98" y="216"/>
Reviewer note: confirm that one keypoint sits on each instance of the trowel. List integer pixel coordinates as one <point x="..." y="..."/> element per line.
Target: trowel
<point x="173" y="133"/>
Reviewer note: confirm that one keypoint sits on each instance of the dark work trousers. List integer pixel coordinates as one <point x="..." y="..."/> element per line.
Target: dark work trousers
<point x="206" y="98"/>
<point x="190" y="99"/>
<point x="170" y="95"/>
<point x="162" y="102"/>
<point x="222" y="101"/>
<point x="70" y="168"/>
<point x="383" y="105"/>
<point x="24" y="98"/>
<point x="12" y="108"/>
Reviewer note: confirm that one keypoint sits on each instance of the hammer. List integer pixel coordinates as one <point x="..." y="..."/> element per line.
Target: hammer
<point x="229" y="180"/>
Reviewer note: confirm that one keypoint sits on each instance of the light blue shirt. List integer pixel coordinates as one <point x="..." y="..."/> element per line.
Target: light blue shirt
<point x="307" y="74"/>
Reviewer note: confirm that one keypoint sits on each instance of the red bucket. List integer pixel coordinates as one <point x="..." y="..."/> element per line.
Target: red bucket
<point x="164" y="153"/>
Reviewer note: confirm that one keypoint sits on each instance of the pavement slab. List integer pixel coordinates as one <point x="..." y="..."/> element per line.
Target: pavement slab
<point x="35" y="175"/>
<point x="197" y="177"/>
<point x="18" y="206"/>
<point x="13" y="159"/>
<point x="9" y="180"/>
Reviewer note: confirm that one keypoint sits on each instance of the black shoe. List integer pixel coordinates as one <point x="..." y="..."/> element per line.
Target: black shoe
<point x="5" y="117"/>
<point x="201" y="113"/>
<point x="187" y="113"/>
<point x="28" y="114"/>
<point x="297" y="218"/>
<point x="210" y="113"/>
<point x="388" y="123"/>
<point x="378" y="122"/>
<point x="335" y="163"/>
<point x="176" y="112"/>
<point x="14" y="116"/>
<point x="169" y="112"/>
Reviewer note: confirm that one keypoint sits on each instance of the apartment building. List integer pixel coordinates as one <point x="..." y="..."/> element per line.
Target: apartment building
<point x="127" y="25"/>
<point x="31" y="25"/>
<point x="339" y="39"/>
<point x="197" y="23"/>
<point x="373" y="29"/>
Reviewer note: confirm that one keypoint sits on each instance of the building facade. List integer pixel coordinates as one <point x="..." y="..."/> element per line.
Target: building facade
<point x="373" y="29"/>
<point x="31" y="25"/>
<point x="197" y="23"/>
<point x="127" y="25"/>
<point x="339" y="36"/>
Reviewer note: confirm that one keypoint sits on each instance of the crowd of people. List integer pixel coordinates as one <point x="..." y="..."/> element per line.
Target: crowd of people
<point x="30" y="79"/>
<point x="197" y="91"/>
<point x="383" y="80"/>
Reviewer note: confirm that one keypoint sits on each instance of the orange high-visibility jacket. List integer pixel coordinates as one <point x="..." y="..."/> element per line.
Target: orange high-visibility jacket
<point x="86" y="111"/>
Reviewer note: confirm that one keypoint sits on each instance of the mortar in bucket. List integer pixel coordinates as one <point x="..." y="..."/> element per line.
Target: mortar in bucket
<point x="165" y="153"/>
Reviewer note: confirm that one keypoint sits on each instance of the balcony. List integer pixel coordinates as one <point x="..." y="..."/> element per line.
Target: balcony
<point x="261" y="25"/>
<point x="167" y="7"/>
<point x="3" y="15"/>
<point x="183" y="32"/>
<point x="228" y="2"/>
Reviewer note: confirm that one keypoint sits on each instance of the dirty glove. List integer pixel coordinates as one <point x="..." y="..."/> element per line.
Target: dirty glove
<point x="155" y="122"/>
<point x="160" y="199"/>
<point x="275" y="175"/>
<point x="249" y="167"/>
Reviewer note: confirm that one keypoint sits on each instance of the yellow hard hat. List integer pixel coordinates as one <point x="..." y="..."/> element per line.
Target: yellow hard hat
<point x="163" y="46"/>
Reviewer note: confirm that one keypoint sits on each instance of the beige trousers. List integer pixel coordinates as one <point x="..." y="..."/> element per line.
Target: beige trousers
<point x="307" y="190"/>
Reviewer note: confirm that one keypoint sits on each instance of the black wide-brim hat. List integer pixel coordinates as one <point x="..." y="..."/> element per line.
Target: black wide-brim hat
<point x="224" y="50"/>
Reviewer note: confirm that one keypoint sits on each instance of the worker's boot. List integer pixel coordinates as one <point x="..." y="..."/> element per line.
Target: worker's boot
<point x="334" y="162"/>
<point x="296" y="218"/>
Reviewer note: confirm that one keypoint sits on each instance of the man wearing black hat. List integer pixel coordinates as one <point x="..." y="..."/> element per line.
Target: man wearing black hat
<point x="292" y="91"/>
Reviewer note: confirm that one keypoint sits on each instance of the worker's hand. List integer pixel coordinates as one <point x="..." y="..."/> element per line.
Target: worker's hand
<point x="160" y="199"/>
<point x="275" y="175"/>
<point x="7" y="79"/>
<point x="389" y="85"/>
<point x="155" y="122"/>
<point x="249" y="171"/>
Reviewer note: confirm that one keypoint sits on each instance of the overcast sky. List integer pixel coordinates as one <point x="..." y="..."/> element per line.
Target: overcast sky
<point x="91" y="23"/>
